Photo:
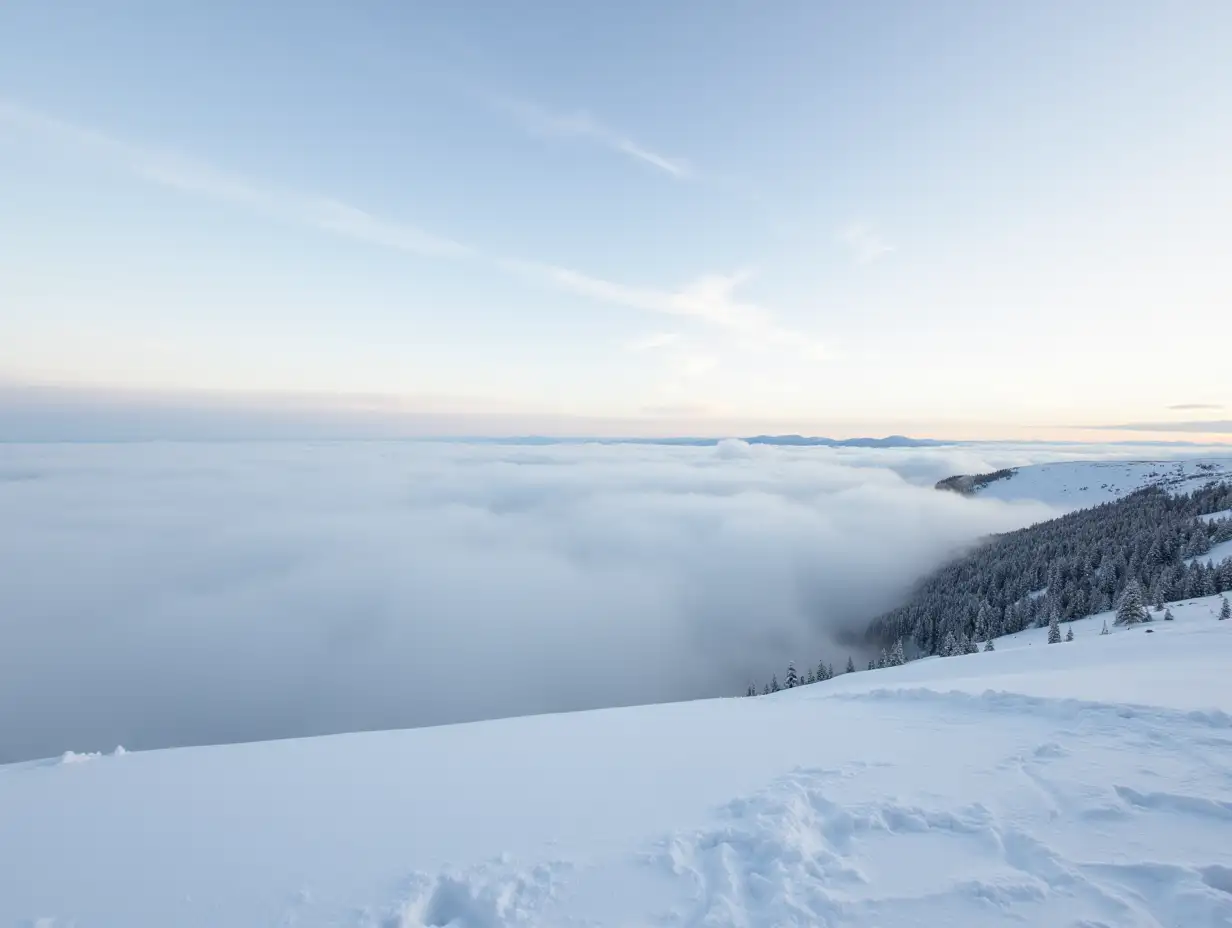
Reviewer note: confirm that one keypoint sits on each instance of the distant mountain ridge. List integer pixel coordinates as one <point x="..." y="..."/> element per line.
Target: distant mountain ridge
<point x="802" y="441"/>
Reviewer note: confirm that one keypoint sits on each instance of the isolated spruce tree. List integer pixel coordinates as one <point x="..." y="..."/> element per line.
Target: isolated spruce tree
<point x="988" y="645"/>
<point x="830" y="672"/>
<point x="1069" y="634"/>
<point x="1104" y="630"/>
<point x="1129" y="609"/>
<point x="792" y="680"/>
<point x="752" y="690"/>
<point x="1054" y="630"/>
<point x="821" y="670"/>
<point x="851" y="665"/>
<point x="1225" y="611"/>
<point x="1168" y="616"/>
<point x="774" y="684"/>
<point x="983" y="621"/>
<point x="765" y="689"/>
<point x="897" y="657"/>
<point x="949" y="647"/>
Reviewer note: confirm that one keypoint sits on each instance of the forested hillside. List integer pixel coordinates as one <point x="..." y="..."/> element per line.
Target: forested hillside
<point x="1076" y="565"/>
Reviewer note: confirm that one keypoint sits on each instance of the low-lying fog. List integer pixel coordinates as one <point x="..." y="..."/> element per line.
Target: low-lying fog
<point x="170" y="594"/>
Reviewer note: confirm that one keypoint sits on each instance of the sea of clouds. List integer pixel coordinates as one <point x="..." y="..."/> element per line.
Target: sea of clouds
<point x="156" y="594"/>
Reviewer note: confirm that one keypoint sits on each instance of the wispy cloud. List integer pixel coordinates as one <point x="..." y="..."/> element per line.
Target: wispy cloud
<point x="580" y="124"/>
<point x="1196" y="406"/>
<point x="653" y="342"/>
<point x="865" y="242"/>
<point x="710" y="299"/>
<point x="188" y="175"/>
<point x="1208" y="426"/>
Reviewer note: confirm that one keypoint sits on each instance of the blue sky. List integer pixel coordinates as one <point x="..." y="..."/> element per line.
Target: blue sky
<point x="965" y="218"/>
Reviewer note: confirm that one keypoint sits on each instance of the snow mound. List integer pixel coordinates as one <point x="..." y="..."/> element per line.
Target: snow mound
<point x="1080" y="784"/>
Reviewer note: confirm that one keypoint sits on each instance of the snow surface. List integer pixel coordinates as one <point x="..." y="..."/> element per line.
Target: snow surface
<point x="1078" y="484"/>
<point x="1081" y="784"/>
<point x="1216" y="555"/>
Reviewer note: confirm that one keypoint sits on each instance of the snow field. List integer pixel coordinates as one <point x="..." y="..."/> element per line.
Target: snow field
<point x="1079" y="484"/>
<point x="1081" y="784"/>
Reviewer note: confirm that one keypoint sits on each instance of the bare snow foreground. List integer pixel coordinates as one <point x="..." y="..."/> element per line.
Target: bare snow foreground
<point x="1082" y="784"/>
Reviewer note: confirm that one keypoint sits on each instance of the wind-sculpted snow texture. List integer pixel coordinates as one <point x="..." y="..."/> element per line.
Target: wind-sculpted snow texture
<point x="1075" y="484"/>
<point x="1069" y="786"/>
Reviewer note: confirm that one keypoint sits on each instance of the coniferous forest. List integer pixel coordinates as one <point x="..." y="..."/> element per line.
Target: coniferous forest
<point x="1143" y="550"/>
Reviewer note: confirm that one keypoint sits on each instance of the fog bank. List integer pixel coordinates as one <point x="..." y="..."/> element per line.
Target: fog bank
<point x="169" y="594"/>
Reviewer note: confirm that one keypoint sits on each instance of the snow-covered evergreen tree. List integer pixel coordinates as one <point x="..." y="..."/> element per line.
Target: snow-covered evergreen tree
<point x="774" y="684"/>
<point x="1168" y="616"/>
<point x="792" y="680"/>
<point x="1069" y="634"/>
<point x="1054" y="630"/>
<point x="950" y="647"/>
<point x="1079" y="564"/>
<point x="897" y="656"/>
<point x="1225" y="611"/>
<point x="851" y="665"/>
<point x="988" y="646"/>
<point x="1104" y="630"/>
<point x="821" y="671"/>
<point x="1129" y="609"/>
<point x="872" y="665"/>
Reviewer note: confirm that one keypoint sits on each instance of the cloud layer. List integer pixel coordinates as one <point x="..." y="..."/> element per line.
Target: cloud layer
<point x="167" y="594"/>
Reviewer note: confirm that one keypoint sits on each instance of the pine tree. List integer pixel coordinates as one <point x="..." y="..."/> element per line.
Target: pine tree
<point x="1159" y="599"/>
<point x="1104" y="630"/>
<point x="1129" y="610"/>
<point x="774" y="684"/>
<point x="851" y="666"/>
<point x="1168" y="616"/>
<point x="897" y="657"/>
<point x="1069" y="635"/>
<point x="983" y="620"/>
<point x="950" y="646"/>
<point x="765" y="689"/>
<point x="830" y="672"/>
<point x="1054" y="630"/>
<point x="821" y="670"/>
<point x="752" y="690"/>
<point x="988" y="645"/>
<point x="812" y="677"/>
<point x="792" y="680"/>
<point x="872" y="665"/>
<point x="1225" y="611"/>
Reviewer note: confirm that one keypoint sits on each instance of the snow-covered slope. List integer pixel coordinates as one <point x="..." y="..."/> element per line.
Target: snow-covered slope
<point x="1087" y="783"/>
<point x="1077" y="484"/>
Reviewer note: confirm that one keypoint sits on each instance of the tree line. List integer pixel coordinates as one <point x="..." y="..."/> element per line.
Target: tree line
<point x="1133" y="554"/>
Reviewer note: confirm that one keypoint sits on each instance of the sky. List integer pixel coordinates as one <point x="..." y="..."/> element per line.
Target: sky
<point x="956" y="219"/>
